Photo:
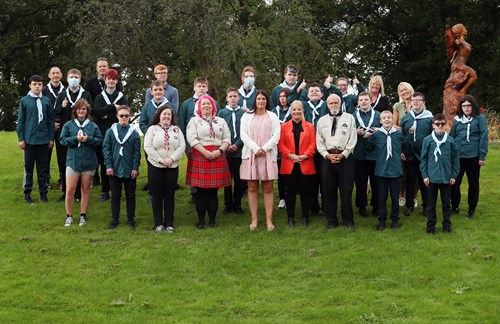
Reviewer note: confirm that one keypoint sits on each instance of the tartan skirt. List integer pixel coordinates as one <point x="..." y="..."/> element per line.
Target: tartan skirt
<point x="204" y="173"/>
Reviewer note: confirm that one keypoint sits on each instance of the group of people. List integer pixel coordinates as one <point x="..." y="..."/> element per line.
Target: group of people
<point x="312" y="138"/>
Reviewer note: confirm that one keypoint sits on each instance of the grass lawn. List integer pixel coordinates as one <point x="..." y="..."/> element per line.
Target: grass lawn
<point x="53" y="274"/>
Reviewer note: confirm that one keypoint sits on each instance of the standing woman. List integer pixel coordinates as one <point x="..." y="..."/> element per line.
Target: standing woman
<point x="122" y="156"/>
<point x="260" y="133"/>
<point x="207" y="170"/>
<point x="470" y="132"/>
<point x="401" y="108"/>
<point x="82" y="137"/>
<point x="380" y="102"/>
<point x="297" y="146"/>
<point x="164" y="144"/>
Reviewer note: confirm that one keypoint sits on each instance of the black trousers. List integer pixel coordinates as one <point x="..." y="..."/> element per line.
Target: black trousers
<point x="445" y="189"/>
<point x="232" y="198"/>
<point x="413" y="174"/>
<point x="296" y="182"/>
<point x="365" y="169"/>
<point x="39" y="155"/>
<point x="61" y="152"/>
<point x="316" y="184"/>
<point x="281" y="182"/>
<point x="104" y="177"/>
<point x="206" y="201"/>
<point x="116" y="195"/>
<point x="472" y="168"/>
<point x="162" y="183"/>
<point x="338" y="177"/>
<point x="388" y="186"/>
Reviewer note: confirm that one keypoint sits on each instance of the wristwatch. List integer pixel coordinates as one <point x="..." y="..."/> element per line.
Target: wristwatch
<point x="221" y="151"/>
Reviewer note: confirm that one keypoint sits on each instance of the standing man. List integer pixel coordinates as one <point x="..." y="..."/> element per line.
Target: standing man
<point x="170" y="93"/>
<point x="51" y="91"/>
<point x="35" y="131"/>
<point x="335" y="141"/>
<point x="247" y="91"/>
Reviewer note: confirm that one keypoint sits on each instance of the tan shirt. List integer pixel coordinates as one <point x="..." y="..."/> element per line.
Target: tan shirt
<point x="198" y="132"/>
<point x="154" y="145"/>
<point x="345" y="137"/>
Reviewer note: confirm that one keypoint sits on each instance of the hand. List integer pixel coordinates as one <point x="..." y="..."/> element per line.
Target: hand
<point x="452" y="181"/>
<point x="426" y="182"/>
<point x="22" y="145"/>
<point x="367" y="134"/>
<point x="355" y="81"/>
<point x="85" y="137"/>
<point x="208" y="155"/>
<point x="134" y="174"/>
<point x="79" y="137"/>
<point x="302" y="86"/>
<point x="403" y="157"/>
<point x="167" y="162"/>
<point x="216" y="153"/>
<point x="482" y="162"/>
<point x="360" y="131"/>
<point x="65" y="103"/>
<point x="302" y="158"/>
<point x="232" y="148"/>
<point x="328" y="81"/>
<point x="411" y="130"/>
<point x="260" y="153"/>
<point x="51" y="144"/>
<point x="110" y="172"/>
<point x="57" y="125"/>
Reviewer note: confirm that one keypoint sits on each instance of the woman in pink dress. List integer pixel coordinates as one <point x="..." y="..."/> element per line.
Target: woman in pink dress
<point x="260" y="133"/>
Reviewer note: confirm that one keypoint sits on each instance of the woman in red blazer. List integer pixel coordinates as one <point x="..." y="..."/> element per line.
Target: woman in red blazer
<point x="297" y="146"/>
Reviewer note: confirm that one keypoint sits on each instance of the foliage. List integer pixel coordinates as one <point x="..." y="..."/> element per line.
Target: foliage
<point x="493" y="122"/>
<point x="230" y="274"/>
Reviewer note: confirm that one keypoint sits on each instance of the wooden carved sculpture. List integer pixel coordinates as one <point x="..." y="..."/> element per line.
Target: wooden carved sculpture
<point x="461" y="76"/>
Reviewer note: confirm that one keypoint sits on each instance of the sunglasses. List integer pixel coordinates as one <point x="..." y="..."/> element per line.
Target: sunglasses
<point x="124" y="116"/>
<point x="440" y="124"/>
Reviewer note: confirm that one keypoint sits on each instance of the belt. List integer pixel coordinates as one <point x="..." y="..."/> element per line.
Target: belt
<point x="334" y="151"/>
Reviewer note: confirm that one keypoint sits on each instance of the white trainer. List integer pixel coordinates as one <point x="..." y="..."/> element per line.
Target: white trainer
<point x="282" y="204"/>
<point x="170" y="229"/>
<point x="402" y="201"/>
<point x="415" y="202"/>
<point x="83" y="220"/>
<point x="68" y="221"/>
<point x="160" y="228"/>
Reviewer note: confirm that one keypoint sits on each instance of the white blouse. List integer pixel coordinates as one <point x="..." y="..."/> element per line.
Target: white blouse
<point x="156" y="149"/>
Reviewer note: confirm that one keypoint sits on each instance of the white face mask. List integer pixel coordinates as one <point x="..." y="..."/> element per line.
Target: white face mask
<point x="249" y="81"/>
<point x="73" y="82"/>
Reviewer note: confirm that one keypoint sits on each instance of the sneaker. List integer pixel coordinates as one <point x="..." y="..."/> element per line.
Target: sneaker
<point x="83" y="220"/>
<point x="170" y="229"/>
<point x="28" y="200"/>
<point x="402" y="201"/>
<point x="43" y="198"/>
<point x="68" y="221"/>
<point x="104" y="197"/>
<point x="282" y="204"/>
<point x="159" y="229"/>
<point x="415" y="203"/>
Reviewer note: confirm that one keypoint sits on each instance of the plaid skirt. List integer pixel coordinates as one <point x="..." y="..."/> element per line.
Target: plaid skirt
<point x="204" y="173"/>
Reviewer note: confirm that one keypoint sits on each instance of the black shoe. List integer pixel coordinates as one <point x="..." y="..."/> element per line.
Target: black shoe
<point x="305" y="221"/>
<point x="431" y="230"/>
<point x="226" y="210"/>
<point x="380" y="226"/>
<point x="331" y="225"/>
<point x="146" y="187"/>
<point x="363" y="212"/>
<point x="43" y="198"/>
<point x="28" y="200"/>
<point x="447" y="228"/>
<point x="112" y="225"/>
<point x="213" y="225"/>
<point x="132" y="225"/>
<point x="455" y="211"/>
<point x="409" y="211"/>
<point x="201" y="226"/>
<point x="470" y="214"/>
<point x="63" y="197"/>
<point x="238" y="211"/>
<point x="395" y="224"/>
<point x="291" y="222"/>
<point x="104" y="197"/>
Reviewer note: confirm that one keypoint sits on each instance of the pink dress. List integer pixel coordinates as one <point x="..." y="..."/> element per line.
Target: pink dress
<point x="260" y="168"/>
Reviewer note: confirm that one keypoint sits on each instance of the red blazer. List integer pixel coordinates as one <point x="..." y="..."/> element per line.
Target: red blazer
<point x="307" y="146"/>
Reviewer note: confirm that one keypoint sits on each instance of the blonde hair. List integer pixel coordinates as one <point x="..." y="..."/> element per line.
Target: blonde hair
<point x="407" y="86"/>
<point x="378" y="79"/>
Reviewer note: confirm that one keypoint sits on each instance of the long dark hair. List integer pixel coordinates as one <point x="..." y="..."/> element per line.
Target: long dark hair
<point x="80" y="103"/>
<point x="156" y="118"/>
<point x="475" y="109"/>
<point x="263" y="93"/>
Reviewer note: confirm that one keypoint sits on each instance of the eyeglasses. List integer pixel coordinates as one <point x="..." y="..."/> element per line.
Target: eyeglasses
<point x="124" y="116"/>
<point x="342" y="85"/>
<point x="466" y="105"/>
<point x="440" y="124"/>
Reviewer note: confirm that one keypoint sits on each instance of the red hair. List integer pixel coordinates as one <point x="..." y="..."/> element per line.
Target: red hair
<point x="212" y="102"/>
<point x="112" y="74"/>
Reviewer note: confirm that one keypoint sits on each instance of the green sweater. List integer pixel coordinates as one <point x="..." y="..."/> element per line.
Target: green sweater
<point x="364" y="149"/>
<point x="28" y="128"/>
<point x="122" y="165"/>
<point x="106" y="114"/>
<point x="392" y="167"/>
<point x="308" y="111"/>
<point x="83" y="157"/>
<point x="64" y="114"/>
<point x="447" y="165"/>
<point x="413" y="142"/>
<point x="477" y="145"/>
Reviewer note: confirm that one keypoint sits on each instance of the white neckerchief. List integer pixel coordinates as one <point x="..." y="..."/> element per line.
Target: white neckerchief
<point x="241" y="90"/>
<point x="424" y="114"/>
<point x="438" y="143"/>
<point x="343" y="101"/>
<point x="114" y="128"/>
<point x="80" y="127"/>
<point x="105" y="96"/>
<point x="80" y="92"/>
<point x="315" y="111"/>
<point x="362" y="123"/>
<point x="38" y="105"/>
<point x="61" y="88"/>
<point x="233" y="112"/>
<point x="389" y="140"/>
<point x="465" y="120"/>
<point x="376" y="102"/>
<point x="278" y="108"/>
<point x="163" y="102"/>
<point x="285" y="85"/>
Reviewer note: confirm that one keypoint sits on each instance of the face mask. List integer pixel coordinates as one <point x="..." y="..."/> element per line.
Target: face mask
<point x="73" y="82"/>
<point x="249" y="81"/>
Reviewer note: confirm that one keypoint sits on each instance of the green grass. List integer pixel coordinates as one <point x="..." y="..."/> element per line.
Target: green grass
<point x="53" y="274"/>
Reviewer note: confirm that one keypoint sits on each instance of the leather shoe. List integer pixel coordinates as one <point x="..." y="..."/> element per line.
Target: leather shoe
<point x="213" y="225"/>
<point x="455" y="211"/>
<point x="408" y="211"/>
<point x="201" y="226"/>
<point x="380" y="226"/>
<point x="291" y="222"/>
<point x="447" y="228"/>
<point x="305" y="221"/>
<point x="470" y="214"/>
<point x="431" y="230"/>
<point x="395" y="224"/>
